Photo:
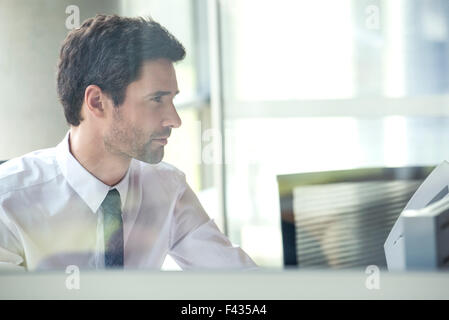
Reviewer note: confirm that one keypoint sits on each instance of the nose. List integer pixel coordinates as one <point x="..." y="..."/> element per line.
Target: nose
<point x="172" y="118"/>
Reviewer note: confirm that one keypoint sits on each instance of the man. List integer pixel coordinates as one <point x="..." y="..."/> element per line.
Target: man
<point x="102" y="198"/>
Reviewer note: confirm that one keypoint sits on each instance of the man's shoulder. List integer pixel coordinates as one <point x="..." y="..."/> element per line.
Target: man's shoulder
<point x="27" y="170"/>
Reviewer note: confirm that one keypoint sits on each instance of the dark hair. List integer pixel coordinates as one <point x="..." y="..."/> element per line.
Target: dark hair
<point x="109" y="51"/>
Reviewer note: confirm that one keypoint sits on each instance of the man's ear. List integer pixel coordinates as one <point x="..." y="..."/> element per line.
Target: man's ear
<point x="93" y="99"/>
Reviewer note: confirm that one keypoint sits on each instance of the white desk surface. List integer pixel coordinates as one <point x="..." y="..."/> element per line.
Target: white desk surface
<point x="220" y="285"/>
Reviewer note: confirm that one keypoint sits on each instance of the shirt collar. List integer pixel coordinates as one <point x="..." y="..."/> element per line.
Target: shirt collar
<point x="86" y="185"/>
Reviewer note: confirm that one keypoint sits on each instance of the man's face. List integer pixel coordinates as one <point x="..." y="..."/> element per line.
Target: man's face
<point x="147" y="114"/>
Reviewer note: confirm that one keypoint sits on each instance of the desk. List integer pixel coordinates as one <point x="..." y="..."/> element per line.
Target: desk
<point x="261" y="284"/>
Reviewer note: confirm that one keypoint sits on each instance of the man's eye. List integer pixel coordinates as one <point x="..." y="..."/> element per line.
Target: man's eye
<point x="157" y="99"/>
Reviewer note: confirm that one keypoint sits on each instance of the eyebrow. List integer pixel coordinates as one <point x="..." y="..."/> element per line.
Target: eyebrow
<point x="160" y="93"/>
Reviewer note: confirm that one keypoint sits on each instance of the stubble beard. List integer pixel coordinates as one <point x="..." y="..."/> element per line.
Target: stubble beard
<point x="129" y="142"/>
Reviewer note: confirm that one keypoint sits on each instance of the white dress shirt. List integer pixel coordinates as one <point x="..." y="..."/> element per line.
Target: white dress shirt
<point x="51" y="216"/>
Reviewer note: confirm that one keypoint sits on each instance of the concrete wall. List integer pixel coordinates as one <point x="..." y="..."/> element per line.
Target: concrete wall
<point x="31" y="33"/>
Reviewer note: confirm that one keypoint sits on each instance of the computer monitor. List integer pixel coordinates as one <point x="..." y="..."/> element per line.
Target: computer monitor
<point x="419" y="239"/>
<point x="340" y="219"/>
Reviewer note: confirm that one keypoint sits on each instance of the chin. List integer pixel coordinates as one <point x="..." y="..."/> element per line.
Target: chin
<point x="153" y="158"/>
<point x="152" y="161"/>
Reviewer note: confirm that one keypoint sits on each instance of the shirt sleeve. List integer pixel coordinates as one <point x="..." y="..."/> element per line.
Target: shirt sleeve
<point x="196" y="241"/>
<point x="10" y="248"/>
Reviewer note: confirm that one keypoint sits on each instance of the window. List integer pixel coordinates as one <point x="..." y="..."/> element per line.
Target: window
<point x="326" y="85"/>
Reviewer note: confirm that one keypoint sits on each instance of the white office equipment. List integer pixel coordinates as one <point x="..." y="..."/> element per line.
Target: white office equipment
<point x="420" y="237"/>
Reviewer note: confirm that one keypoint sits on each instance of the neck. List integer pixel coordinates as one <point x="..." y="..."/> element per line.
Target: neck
<point x="88" y="149"/>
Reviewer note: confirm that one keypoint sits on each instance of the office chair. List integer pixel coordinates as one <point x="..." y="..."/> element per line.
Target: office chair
<point x="341" y="219"/>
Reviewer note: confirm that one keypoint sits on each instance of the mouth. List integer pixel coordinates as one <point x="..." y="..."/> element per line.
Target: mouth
<point x="162" y="141"/>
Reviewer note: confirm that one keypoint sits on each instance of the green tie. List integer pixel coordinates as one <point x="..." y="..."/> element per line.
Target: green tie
<point x="113" y="230"/>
